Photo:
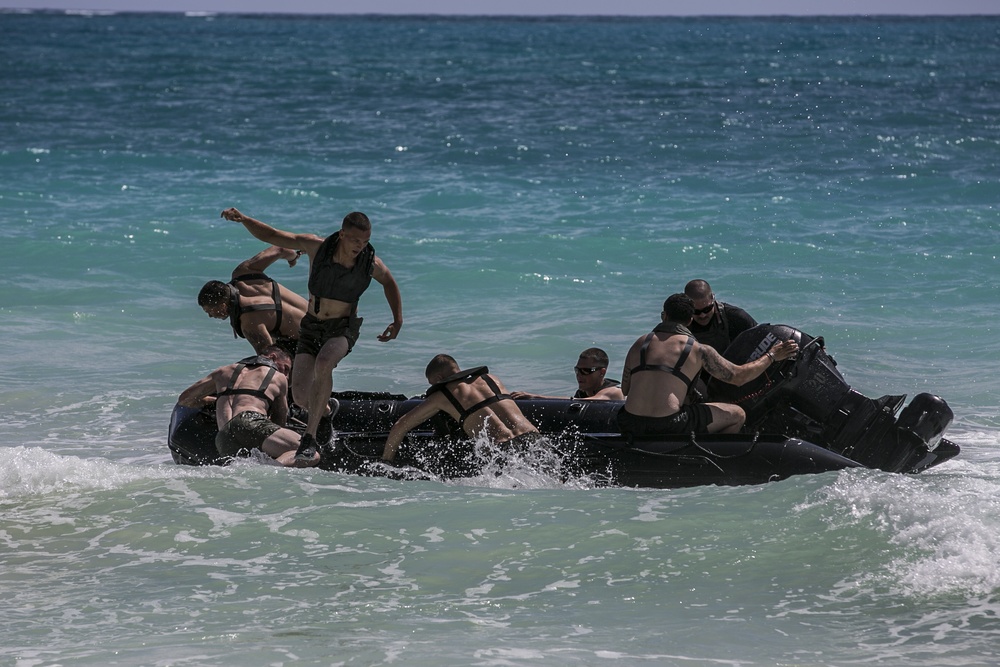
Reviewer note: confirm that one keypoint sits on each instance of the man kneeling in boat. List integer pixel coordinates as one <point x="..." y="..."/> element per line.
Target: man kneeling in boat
<point x="251" y="405"/>
<point x="475" y="398"/>
<point x="659" y="369"/>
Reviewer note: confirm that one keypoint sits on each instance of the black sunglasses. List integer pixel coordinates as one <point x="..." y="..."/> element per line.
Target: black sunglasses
<point x="706" y="309"/>
<point x="586" y="371"/>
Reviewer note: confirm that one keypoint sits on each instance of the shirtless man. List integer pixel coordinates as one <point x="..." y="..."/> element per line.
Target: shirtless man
<point x="251" y="406"/>
<point x="592" y="385"/>
<point x="341" y="267"/>
<point x="258" y="308"/>
<point x="659" y="369"/>
<point x="475" y="398"/>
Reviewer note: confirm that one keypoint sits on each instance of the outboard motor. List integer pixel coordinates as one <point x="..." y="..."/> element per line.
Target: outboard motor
<point x="808" y="398"/>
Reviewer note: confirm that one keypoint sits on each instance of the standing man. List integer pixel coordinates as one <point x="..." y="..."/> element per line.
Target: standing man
<point x="715" y="323"/>
<point x="251" y="407"/>
<point x="659" y="369"/>
<point x="341" y="267"/>
<point x="592" y="385"/>
<point x="258" y="308"/>
<point x="476" y="399"/>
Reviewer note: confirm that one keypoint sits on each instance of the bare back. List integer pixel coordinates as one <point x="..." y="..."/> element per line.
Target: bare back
<point x="502" y="420"/>
<point x="273" y="403"/>
<point x="656" y="392"/>
<point x="259" y="292"/>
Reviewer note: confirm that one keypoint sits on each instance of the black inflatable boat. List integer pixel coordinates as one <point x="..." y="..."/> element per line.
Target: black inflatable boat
<point x="802" y="418"/>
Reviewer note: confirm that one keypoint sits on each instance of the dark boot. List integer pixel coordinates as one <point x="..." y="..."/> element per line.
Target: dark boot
<point x="324" y="433"/>
<point x="307" y="448"/>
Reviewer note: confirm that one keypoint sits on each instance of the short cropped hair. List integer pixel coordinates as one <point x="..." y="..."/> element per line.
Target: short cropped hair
<point x="442" y="364"/>
<point x="357" y="220"/>
<point x="679" y="308"/>
<point x="599" y="356"/>
<point x="277" y="351"/>
<point x="213" y="293"/>
<point x="698" y="289"/>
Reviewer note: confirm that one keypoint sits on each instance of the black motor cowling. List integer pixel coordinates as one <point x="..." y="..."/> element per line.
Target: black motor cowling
<point x="810" y="383"/>
<point x="808" y="398"/>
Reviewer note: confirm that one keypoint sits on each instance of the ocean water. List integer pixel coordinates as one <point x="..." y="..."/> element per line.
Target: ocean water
<point x="536" y="187"/>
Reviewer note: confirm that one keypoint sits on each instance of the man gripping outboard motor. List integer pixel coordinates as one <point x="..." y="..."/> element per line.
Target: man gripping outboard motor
<point x="808" y="398"/>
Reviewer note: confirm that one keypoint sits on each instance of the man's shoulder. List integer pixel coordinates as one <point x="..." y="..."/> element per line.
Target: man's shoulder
<point x="225" y="371"/>
<point x="732" y="308"/>
<point x="281" y="383"/>
<point x="737" y="313"/>
<point x="432" y="403"/>
<point x="698" y="349"/>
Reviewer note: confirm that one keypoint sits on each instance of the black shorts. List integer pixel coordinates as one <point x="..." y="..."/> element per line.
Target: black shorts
<point x="314" y="332"/>
<point x="691" y="419"/>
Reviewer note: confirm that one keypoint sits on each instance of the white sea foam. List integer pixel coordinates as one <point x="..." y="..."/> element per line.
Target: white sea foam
<point x="31" y="471"/>
<point x="944" y="527"/>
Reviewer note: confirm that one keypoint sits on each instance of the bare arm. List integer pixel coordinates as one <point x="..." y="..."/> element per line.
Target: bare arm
<point x="197" y="395"/>
<point x="257" y="335"/>
<point x="723" y="369"/>
<point x="407" y="423"/>
<point x="279" y="406"/>
<point x="306" y="242"/>
<point x="607" y="394"/>
<point x="382" y="275"/>
<point x="265" y="258"/>
<point x="626" y="375"/>
<point x="524" y="396"/>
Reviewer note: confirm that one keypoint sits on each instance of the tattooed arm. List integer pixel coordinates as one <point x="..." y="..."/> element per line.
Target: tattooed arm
<point x="722" y="369"/>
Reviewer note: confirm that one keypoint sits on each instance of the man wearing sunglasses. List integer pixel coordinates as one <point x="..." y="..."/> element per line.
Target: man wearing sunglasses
<point x="715" y="323"/>
<point x="659" y="370"/>
<point x="590" y="370"/>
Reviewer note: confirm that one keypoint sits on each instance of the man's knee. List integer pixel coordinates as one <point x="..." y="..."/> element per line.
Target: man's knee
<point x="736" y="414"/>
<point x="727" y="417"/>
<point x="333" y="351"/>
<point x="281" y="441"/>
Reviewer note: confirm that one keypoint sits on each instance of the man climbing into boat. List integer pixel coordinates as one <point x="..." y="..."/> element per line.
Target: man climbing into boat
<point x="660" y="367"/>
<point x="475" y="398"/>
<point x="258" y="308"/>
<point x="592" y="385"/>
<point x="251" y="406"/>
<point x="341" y="267"/>
<point x="715" y="323"/>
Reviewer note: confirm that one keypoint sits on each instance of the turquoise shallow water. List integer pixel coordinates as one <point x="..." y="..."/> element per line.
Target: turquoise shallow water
<point x="537" y="187"/>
